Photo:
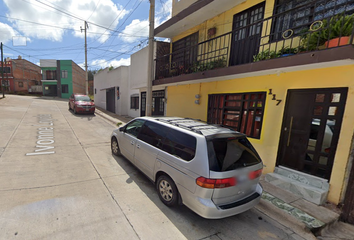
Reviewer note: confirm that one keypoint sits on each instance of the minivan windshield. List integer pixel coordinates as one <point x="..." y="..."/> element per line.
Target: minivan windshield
<point x="231" y="153"/>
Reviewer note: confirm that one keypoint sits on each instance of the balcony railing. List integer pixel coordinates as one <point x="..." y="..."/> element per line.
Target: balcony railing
<point x="263" y="40"/>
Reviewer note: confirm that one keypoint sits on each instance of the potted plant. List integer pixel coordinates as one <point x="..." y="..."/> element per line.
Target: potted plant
<point x="339" y="30"/>
<point x="333" y="32"/>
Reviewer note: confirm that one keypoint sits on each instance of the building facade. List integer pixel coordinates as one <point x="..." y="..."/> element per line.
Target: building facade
<point x="61" y="78"/>
<point x="123" y="90"/>
<point x="111" y="89"/>
<point x="270" y="70"/>
<point x="21" y="76"/>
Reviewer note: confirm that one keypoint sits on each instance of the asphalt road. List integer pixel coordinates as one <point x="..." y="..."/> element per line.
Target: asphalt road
<point x="59" y="180"/>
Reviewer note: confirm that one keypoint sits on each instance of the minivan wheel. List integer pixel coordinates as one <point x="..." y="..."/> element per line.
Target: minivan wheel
<point x="115" y="147"/>
<point x="167" y="191"/>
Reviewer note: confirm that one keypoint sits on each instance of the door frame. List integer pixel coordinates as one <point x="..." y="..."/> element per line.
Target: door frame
<point x="232" y="60"/>
<point x="155" y="94"/>
<point x="338" y="118"/>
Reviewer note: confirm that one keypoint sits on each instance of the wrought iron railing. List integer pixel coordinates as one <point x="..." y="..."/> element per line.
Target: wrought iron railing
<point x="273" y="37"/>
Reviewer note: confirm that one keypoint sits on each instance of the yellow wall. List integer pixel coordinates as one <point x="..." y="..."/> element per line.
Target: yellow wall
<point x="181" y="103"/>
<point x="223" y="22"/>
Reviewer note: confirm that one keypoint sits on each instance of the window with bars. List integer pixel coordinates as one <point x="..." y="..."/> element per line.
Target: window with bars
<point x="134" y="102"/>
<point x="242" y="112"/>
<point x="299" y="14"/>
<point x="185" y="52"/>
<point x="65" y="88"/>
<point x="51" y="75"/>
<point x="64" y="73"/>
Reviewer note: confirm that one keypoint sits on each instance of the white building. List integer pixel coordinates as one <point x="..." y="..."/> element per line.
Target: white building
<point x="123" y="90"/>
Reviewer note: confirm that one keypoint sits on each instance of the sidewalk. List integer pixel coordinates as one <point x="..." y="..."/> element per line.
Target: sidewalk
<point x="112" y="117"/>
<point x="307" y="219"/>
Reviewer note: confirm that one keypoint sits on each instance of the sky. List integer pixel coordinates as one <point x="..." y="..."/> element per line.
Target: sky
<point x="53" y="29"/>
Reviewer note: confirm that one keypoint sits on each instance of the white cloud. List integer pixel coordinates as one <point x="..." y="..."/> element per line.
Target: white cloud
<point x="164" y="13"/>
<point x="135" y="31"/>
<point x="106" y="14"/>
<point x="101" y="63"/>
<point x="139" y="29"/>
<point x="6" y="33"/>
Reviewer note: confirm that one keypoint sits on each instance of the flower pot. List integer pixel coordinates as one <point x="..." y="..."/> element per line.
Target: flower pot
<point x="337" y="42"/>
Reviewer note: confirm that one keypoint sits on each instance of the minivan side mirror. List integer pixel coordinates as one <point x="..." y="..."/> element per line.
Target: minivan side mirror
<point x="121" y="129"/>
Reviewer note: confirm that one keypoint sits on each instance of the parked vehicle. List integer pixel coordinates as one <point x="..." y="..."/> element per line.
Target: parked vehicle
<point x="81" y="103"/>
<point x="212" y="170"/>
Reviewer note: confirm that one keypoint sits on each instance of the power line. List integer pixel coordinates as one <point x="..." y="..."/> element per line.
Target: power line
<point x="48" y="25"/>
<point x="94" y="10"/>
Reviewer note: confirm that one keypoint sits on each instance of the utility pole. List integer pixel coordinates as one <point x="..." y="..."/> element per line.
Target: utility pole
<point x="85" y="29"/>
<point x="2" y="72"/>
<point x="150" y="59"/>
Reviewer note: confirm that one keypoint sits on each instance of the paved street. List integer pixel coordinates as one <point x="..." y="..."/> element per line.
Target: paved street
<point x="59" y="180"/>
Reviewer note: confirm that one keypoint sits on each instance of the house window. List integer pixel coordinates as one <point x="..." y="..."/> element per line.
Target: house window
<point x="299" y="14"/>
<point x="185" y="52"/>
<point x="64" y="74"/>
<point x="20" y="84"/>
<point x="134" y="102"/>
<point x="6" y="69"/>
<point x="64" y="88"/>
<point x="242" y="112"/>
<point x="51" y="75"/>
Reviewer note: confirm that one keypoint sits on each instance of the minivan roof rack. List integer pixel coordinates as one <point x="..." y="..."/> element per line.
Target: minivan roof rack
<point x="197" y="127"/>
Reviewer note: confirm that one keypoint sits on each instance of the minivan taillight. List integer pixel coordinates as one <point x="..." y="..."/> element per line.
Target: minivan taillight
<point x="215" y="183"/>
<point x="255" y="174"/>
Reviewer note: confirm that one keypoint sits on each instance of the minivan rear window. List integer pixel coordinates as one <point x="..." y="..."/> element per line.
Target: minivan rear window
<point x="180" y="144"/>
<point x="231" y="153"/>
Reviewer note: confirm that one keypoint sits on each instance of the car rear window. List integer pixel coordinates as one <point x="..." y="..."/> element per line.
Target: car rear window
<point x="180" y="144"/>
<point x="231" y="153"/>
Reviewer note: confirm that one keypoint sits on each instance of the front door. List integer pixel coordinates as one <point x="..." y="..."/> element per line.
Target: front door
<point x="158" y="104"/>
<point x="110" y="100"/>
<point x="310" y="130"/>
<point x="246" y="35"/>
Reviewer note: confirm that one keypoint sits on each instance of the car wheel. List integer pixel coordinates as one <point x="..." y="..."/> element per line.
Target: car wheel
<point x="115" y="147"/>
<point x="75" y="110"/>
<point x="167" y="191"/>
<point x="69" y="106"/>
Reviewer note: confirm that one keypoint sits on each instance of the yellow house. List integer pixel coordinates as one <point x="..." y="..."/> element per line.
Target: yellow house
<point x="268" y="69"/>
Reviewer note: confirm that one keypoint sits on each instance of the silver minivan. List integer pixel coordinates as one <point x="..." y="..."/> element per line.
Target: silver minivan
<point x="212" y="170"/>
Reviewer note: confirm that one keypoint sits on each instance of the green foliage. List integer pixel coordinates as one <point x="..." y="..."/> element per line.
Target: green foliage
<point x="265" y="55"/>
<point x="337" y="26"/>
<point x="119" y="123"/>
<point x="204" y="66"/>
<point x="110" y="68"/>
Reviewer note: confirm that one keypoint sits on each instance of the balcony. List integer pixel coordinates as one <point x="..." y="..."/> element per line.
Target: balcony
<point x="264" y="40"/>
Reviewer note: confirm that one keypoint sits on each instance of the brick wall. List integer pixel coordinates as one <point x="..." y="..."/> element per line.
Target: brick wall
<point x="79" y="78"/>
<point x="26" y="74"/>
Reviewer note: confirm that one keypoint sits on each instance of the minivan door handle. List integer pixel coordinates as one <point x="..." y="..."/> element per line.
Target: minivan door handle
<point x="138" y="146"/>
<point x="132" y="142"/>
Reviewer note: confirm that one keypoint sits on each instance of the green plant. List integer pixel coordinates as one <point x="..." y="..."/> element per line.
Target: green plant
<point x="204" y="66"/>
<point x="265" y="55"/>
<point x="336" y="26"/>
<point x="119" y="123"/>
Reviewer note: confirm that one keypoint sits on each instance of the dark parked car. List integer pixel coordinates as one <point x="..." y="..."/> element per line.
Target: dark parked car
<point x="81" y="103"/>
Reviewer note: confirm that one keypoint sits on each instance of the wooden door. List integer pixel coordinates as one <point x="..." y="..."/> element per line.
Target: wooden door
<point x="246" y="35"/>
<point x="310" y="130"/>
